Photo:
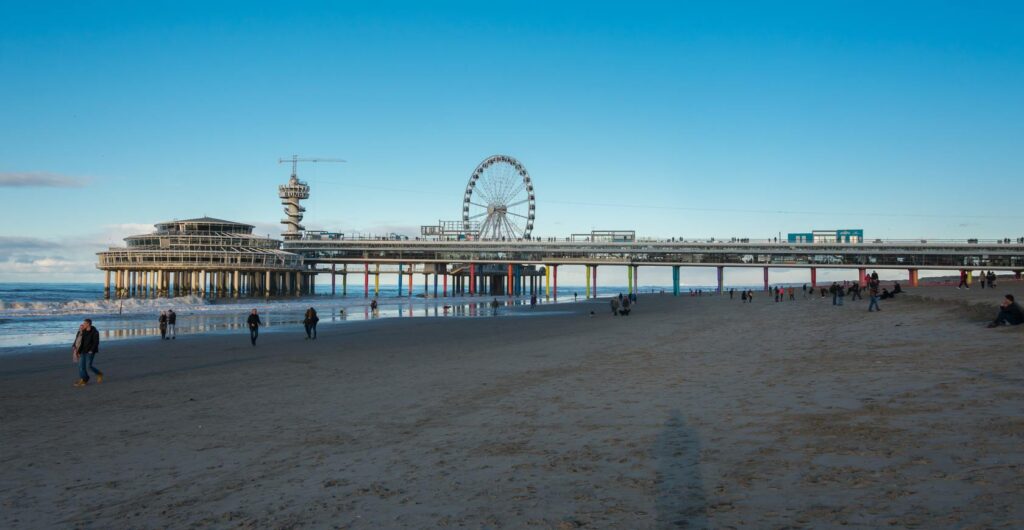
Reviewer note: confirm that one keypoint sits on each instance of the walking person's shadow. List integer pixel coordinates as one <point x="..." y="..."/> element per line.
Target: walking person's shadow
<point x="681" y="501"/>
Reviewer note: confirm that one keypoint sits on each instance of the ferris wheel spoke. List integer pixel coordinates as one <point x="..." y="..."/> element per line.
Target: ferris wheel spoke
<point x="524" y="201"/>
<point x="517" y="215"/>
<point x="478" y="204"/>
<point x="477" y="215"/>
<point x="515" y="191"/>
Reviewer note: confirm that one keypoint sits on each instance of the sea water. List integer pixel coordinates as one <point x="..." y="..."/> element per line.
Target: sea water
<point x="40" y="314"/>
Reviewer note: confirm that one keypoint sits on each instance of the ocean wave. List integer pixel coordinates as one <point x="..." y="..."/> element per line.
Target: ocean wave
<point x="98" y="307"/>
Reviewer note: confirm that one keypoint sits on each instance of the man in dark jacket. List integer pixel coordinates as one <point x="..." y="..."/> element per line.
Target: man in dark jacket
<point x="254" y="326"/>
<point x="1010" y="313"/>
<point x="87" y="350"/>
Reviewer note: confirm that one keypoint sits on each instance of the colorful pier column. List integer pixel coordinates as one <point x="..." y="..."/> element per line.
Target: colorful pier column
<point x="376" y="280"/>
<point x="721" y="279"/>
<point x="344" y="282"/>
<point x="472" y="279"/>
<point x="587" y="274"/>
<point x="444" y="282"/>
<point x="410" y="279"/>
<point x="554" y="280"/>
<point x="511" y="281"/>
<point x="913" y="277"/>
<point x="366" y="280"/>
<point x="435" y="284"/>
<point x="766" y="278"/>
<point x="593" y="272"/>
<point x="675" y="280"/>
<point x="862" y="277"/>
<point x="629" y="279"/>
<point x="547" y="281"/>
<point x="814" y="278"/>
<point x="636" y="278"/>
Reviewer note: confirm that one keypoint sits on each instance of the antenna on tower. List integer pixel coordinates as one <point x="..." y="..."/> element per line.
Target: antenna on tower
<point x="293" y="193"/>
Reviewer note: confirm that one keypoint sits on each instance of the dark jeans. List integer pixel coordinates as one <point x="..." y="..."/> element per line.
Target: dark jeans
<point x="254" y="333"/>
<point x="311" y="330"/>
<point x="873" y="305"/>
<point x="85" y="364"/>
<point x="1005" y="317"/>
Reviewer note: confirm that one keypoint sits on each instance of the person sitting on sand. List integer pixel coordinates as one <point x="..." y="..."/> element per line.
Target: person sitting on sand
<point x="1010" y="313"/>
<point x="896" y="289"/>
<point x="885" y="294"/>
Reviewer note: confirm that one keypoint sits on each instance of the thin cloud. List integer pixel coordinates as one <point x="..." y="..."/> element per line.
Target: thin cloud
<point x="39" y="180"/>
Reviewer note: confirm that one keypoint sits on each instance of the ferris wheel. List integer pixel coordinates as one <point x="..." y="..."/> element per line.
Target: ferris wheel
<point x="499" y="199"/>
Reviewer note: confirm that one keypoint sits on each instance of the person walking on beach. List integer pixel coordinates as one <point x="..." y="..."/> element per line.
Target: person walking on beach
<point x="373" y="307"/>
<point x="254" y="326"/>
<point x="172" y="319"/>
<point x="834" y="290"/>
<point x="494" y="307"/>
<point x="873" y="294"/>
<point x="792" y="293"/>
<point x="750" y="295"/>
<point x="574" y="296"/>
<point x="1010" y="313"/>
<point x="743" y="297"/>
<point x="533" y="301"/>
<point x="963" y="280"/>
<point x="310" y="321"/>
<point x="163" y="325"/>
<point x="841" y="293"/>
<point x="615" y="306"/>
<point x="731" y="293"/>
<point x="87" y="345"/>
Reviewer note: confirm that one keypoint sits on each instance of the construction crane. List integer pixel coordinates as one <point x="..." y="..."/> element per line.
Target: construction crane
<point x="295" y="162"/>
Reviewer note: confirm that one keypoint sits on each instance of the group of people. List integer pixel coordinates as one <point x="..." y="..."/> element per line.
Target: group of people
<point x="988" y="277"/>
<point x="622" y="304"/>
<point x="309" y="321"/>
<point x="168" y="322"/>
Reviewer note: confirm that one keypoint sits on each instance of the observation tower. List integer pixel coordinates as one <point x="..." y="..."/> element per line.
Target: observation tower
<point x="291" y="193"/>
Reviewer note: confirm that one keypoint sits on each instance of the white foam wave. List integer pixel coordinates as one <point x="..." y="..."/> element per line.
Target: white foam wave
<point x="99" y="307"/>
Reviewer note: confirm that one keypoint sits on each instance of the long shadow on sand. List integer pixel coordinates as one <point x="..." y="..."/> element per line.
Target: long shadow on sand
<point x="681" y="501"/>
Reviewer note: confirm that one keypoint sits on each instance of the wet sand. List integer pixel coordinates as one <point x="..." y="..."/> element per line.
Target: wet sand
<point x="692" y="412"/>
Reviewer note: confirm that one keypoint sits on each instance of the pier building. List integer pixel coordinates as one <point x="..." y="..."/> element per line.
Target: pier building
<point x="204" y="257"/>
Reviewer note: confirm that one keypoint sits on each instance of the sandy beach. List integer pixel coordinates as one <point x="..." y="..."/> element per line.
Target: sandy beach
<point x="693" y="412"/>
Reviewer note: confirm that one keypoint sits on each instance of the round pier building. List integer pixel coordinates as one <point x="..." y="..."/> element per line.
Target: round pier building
<point x="204" y="257"/>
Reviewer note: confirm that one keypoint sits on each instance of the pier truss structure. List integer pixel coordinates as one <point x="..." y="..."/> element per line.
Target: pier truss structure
<point x="202" y="257"/>
<point x="521" y="264"/>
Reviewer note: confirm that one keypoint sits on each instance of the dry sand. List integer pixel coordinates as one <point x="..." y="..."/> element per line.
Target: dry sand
<point x="693" y="412"/>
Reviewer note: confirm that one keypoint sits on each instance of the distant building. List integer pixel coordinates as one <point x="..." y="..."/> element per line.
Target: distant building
<point x="847" y="235"/>
<point x="606" y="236"/>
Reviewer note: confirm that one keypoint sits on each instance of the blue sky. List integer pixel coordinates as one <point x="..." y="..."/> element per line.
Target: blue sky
<point x="674" y="119"/>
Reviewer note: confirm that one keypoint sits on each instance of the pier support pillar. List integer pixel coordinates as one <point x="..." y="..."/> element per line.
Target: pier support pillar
<point x="675" y="280"/>
<point x="376" y="280"/>
<point x="444" y="283"/>
<point x="106" y="285"/>
<point x="237" y="285"/>
<point x="862" y="277"/>
<point x="593" y="272"/>
<point x="366" y="280"/>
<point x="510" y="284"/>
<point x="554" y="281"/>
<point x="814" y="278"/>
<point x="344" y="282"/>
<point x="587" y="274"/>
<point x="766" y="279"/>
<point x="636" y="279"/>
<point x="410" y="279"/>
<point x="472" y="279"/>
<point x="401" y="268"/>
<point x="435" y="283"/>
<point x="721" y="279"/>
<point x="334" y="279"/>
<point x="547" y="281"/>
<point x="913" y="277"/>
<point x="629" y="279"/>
